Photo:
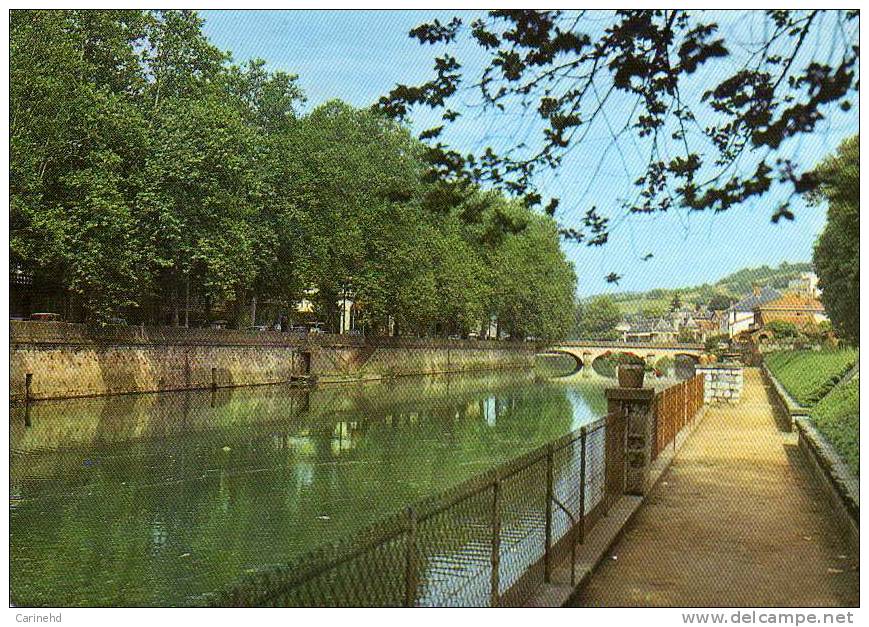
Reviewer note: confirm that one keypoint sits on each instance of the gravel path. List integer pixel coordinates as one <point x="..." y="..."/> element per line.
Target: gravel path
<point x="736" y="521"/>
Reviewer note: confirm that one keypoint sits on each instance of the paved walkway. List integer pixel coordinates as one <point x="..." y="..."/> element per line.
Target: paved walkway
<point x="735" y="521"/>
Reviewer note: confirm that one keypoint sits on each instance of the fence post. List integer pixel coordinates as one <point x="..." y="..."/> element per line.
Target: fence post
<point x="583" y="434"/>
<point x="547" y="549"/>
<point x="28" y="382"/>
<point x="410" y="565"/>
<point x="496" y="544"/>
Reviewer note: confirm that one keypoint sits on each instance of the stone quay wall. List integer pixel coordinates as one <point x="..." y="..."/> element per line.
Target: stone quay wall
<point x="64" y="360"/>
<point x="722" y="383"/>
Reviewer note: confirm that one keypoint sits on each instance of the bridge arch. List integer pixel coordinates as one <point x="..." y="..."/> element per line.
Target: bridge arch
<point x="585" y="352"/>
<point x="631" y="356"/>
<point x="580" y="364"/>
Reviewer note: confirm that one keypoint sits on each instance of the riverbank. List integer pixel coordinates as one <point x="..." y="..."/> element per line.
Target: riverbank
<point x="65" y="360"/>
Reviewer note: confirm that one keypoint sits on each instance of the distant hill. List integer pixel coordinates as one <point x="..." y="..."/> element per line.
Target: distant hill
<point x="732" y="286"/>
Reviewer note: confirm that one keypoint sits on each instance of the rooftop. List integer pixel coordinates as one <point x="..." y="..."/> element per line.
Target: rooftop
<point x="750" y="302"/>
<point x="792" y="302"/>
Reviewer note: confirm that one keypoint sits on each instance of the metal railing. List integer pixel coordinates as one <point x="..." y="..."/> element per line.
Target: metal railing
<point x="490" y="541"/>
<point x="672" y="409"/>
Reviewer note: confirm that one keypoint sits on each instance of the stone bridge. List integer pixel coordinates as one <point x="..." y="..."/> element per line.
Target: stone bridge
<point x="586" y="351"/>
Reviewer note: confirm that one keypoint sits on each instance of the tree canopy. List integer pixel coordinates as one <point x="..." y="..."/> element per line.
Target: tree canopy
<point x="710" y="143"/>
<point x="597" y="319"/>
<point x="837" y="251"/>
<point x="154" y="179"/>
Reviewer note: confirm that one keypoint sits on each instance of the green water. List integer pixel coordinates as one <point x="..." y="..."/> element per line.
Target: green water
<point x="155" y="499"/>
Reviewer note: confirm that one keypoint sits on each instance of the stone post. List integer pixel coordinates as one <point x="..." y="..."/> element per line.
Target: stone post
<point x="629" y="413"/>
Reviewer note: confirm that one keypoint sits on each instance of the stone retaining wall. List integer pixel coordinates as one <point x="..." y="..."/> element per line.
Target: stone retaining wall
<point x="723" y="383"/>
<point x="840" y="487"/>
<point x="68" y="360"/>
<point x="788" y="403"/>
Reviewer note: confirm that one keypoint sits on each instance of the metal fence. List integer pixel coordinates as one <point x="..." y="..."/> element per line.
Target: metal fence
<point x="490" y="541"/>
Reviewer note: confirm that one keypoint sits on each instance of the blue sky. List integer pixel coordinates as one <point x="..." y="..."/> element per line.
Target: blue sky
<point x="357" y="56"/>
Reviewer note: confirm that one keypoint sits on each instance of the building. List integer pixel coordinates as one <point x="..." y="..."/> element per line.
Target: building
<point x="740" y="316"/>
<point x="793" y="308"/>
<point x="707" y="324"/>
<point x="806" y="285"/>
<point x="649" y="330"/>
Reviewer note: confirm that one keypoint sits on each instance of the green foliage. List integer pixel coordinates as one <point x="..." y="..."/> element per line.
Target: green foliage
<point x="149" y="173"/>
<point x="742" y="281"/>
<point x="653" y="310"/>
<point x="597" y="318"/>
<point x="782" y="330"/>
<point x="719" y="302"/>
<point x="685" y="336"/>
<point x="729" y="289"/>
<point x="665" y="363"/>
<point x="712" y="341"/>
<point x="809" y="374"/>
<point x="837" y="251"/>
<point x="837" y="417"/>
<point x="570" y="69"/>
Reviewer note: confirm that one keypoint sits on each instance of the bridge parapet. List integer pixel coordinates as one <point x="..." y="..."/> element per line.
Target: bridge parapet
<point x="633" y="345"/>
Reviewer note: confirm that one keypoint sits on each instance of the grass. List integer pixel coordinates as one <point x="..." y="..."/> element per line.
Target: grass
<point x="808" y="375"/>
<point x="837" y="417"/>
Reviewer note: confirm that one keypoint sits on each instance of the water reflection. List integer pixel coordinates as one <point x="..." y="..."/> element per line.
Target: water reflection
<point x="154" y="499"/>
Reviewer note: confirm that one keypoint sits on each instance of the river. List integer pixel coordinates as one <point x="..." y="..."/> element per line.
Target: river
<point x="155" y="499"/>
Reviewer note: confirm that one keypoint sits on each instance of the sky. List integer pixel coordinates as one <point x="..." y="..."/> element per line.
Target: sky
<point x="358" y="56"/>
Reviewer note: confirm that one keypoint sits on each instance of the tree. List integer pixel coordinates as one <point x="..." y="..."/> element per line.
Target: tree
<point x="154" y="180"/>
<point x="88" y="85"/>
<point x="533" y="284"/>
<point x="676" y="303"/>
<point x="712" y="341"/>
<point x="74" y="130"/>
<point x="636" y="71"/>
<point x="685" y="336"/>
<point x="837" y="251"/>
<point x="341" y="175"/>
<point x="720" y="302"/>
<point x="599" y="319"/>
<point x="654" y="310"/>
<point x="200" y="196"/>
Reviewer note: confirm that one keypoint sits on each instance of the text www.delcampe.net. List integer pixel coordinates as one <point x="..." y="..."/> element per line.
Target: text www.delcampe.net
<point x="770" y="618"/>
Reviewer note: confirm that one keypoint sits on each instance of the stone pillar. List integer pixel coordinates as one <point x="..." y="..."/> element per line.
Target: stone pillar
<point x="586" y="364"/>
<point x="629" y="412"/>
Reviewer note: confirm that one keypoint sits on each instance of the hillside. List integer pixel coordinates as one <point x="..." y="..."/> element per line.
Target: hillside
<point x="733" y="286"/>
